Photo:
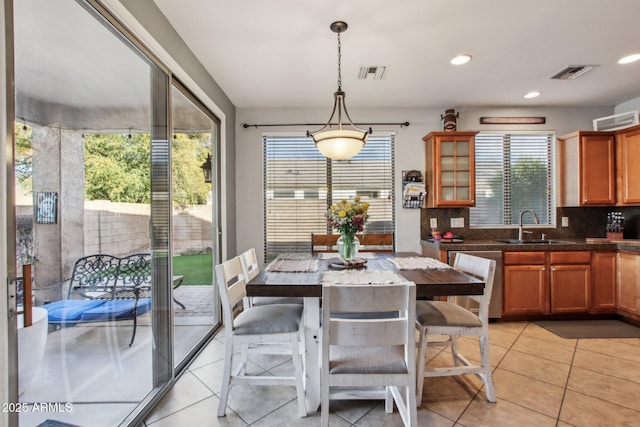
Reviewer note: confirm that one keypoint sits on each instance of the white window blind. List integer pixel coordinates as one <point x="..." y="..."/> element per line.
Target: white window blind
<point x="300" y="184"/>
<point x="514" y="171"/>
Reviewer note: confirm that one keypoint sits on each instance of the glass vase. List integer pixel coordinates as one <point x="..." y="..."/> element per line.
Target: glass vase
<point x="348" y="246"/>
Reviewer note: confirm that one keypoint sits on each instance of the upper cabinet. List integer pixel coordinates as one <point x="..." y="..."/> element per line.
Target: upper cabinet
<point x="599" y="168"/>
<point x="450" y="169"/>
<point x="587" y="169"/>
<point x="628" y="170"/>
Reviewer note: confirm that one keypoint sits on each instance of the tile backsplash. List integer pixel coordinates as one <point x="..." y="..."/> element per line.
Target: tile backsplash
<point x="583" y="222"/>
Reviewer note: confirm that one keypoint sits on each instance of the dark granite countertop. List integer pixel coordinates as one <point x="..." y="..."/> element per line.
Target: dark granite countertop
<point x="570" y="245"/>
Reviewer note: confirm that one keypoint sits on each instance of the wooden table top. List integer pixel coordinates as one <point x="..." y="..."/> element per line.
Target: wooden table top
<point x="429" y="282"/>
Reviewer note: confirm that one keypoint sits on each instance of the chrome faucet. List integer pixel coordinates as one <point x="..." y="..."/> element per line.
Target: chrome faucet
<point x="520" y="230"/>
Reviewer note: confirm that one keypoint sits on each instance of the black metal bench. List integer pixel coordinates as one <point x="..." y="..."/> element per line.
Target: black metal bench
<point x="106" y="288"/>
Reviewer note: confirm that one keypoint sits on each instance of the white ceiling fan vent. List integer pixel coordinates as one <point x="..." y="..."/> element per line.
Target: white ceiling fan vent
<point x="375" y="72"/>
<point x="617" y="121"/>
<point x="571" y="72"/>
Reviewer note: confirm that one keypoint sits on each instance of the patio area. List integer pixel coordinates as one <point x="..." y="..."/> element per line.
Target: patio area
<point x="92" y="368"/>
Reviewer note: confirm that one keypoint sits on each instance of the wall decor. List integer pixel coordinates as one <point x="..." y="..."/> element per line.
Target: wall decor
<point x="449" y="120"/>
<point x="46" y="207"/>
<point x="512" y="120"/>
<point x="413" y="189"/>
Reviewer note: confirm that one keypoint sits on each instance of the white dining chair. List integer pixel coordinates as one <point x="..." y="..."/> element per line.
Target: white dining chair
<point x="450" y="319"/>
<point x="252" y="269"/>
<point x="369" y="350"/>
<point x="267" y="329"/>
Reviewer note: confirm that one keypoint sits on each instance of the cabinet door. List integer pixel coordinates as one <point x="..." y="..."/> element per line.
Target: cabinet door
<point x="569" y="288"/>
<point x="525" y="290"/>
<point x="597" y="177"/>
<point x="628" y="172"/>
<point x="603" y="282"/>
<point x="451" y="164"/>
<point x="628" y="279"/>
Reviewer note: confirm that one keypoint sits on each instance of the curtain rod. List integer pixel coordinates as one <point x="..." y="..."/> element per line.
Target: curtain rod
<point x="246" y="125"/>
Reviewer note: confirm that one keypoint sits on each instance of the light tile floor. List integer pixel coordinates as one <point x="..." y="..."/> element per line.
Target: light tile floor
<point x="541" y="380"/>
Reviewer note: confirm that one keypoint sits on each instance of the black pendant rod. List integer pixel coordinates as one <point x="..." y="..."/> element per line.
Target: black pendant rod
<point x="246" y="125"/>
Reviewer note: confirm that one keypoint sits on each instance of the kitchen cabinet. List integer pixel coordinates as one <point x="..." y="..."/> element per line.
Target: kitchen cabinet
<point x="603" y="282"/>
<point x="627" y="170"/>
<point x="628" y="283"/>
<point x="586" y="169"/>
<point x="450" y="169"/>
<point x="569" y="281"/>
<point x="525" y="288"/>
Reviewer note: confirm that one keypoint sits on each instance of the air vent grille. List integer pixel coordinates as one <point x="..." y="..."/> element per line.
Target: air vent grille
<point x="571" y="72"/>
<point x="373" y="72"/>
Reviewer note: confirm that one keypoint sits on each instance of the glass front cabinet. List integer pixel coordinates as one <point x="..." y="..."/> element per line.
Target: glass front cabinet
<point x="450" y="169"/>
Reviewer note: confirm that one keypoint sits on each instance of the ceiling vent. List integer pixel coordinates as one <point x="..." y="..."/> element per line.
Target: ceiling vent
<point x="571" y="72"/>
<point x="375" y="72"/>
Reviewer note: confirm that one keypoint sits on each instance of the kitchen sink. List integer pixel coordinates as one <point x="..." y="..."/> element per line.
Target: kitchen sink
<point x="534" y="242"/>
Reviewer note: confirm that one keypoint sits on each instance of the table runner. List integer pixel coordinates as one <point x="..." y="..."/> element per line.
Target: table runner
<point x="417" y="263"/>
<point x="293" y="265"/>
<point x="361" y="255"/>
<point x="361" y="276"/>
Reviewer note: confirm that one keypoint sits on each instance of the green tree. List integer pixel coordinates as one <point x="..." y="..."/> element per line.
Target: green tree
<point x="117" y="168"/>
<point x="24" y="158"/>
<point x="529" y="189"/>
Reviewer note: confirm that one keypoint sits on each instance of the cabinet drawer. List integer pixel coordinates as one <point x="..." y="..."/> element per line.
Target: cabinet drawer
<point x="523" y="258"/>
<point x="573" y="257"/>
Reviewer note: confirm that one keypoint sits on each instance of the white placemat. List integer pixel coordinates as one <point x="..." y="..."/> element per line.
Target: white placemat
<point x="361" y="255"/>
<point x="293" y="265"/>
<point x="418" y="263"/>
<point x="357" y="276"/>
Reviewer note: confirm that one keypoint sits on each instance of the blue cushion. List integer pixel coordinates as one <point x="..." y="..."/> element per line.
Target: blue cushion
<point x="70" y="311"/>
<point x="116" y="310"/>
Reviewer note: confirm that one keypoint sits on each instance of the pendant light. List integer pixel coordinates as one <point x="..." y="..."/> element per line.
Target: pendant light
<point x="347" y="140"/>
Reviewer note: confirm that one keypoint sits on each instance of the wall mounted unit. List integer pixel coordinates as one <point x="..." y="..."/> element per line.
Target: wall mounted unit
<point x="617" y="121"/>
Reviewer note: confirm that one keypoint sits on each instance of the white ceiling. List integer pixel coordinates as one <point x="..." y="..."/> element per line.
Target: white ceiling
<point x="281" y="53"/>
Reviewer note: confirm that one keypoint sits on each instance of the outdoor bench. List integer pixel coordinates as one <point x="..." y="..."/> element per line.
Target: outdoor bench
<point x="105" y="288"/>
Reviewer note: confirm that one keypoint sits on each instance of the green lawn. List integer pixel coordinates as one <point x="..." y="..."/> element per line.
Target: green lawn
<point x="196" y="269"/>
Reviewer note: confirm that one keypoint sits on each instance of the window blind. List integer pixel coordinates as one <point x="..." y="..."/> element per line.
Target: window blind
<point x="514" y="171"/>
<point x="300" y="184"/>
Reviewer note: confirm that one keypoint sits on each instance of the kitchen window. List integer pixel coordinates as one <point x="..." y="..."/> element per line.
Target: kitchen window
<point x="514" y="171"/>
<point x="300" y="184"/>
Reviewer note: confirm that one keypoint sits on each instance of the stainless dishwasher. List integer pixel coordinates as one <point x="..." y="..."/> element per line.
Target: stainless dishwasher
<point x="495" y="305"/>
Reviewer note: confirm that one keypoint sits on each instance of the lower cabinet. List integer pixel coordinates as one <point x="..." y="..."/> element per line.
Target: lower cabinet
<point x="628" y="283"/>
<point x="525" y="287"/>
<point x="547" y="282"/>
<point x="570" y="281"/>
<point x="603" y="281"/>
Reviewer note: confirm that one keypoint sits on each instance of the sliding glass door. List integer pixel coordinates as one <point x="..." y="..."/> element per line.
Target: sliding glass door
<point x="109" y="156"/>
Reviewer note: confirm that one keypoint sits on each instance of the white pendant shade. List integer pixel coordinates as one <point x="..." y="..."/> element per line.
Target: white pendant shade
<point x="340" y="144"/>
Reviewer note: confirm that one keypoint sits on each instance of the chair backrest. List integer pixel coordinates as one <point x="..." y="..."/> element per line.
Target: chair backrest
<point x="373" y="242"/>
<point x="232" y="287"/>
<point x="481" y="268"/>
<point x="371" y="326"/>
<point x="250" y="263"/>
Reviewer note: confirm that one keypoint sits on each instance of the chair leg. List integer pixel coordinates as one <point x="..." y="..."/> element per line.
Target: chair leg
<point x="455" y="350"/>
<point x="226" y="374"/>
<point x="244" y="358"/>
<point x="297" y="365"/>
<point x="420" y="362"/>
<point x="486" y="366"/>
<point x="388" y="401"/>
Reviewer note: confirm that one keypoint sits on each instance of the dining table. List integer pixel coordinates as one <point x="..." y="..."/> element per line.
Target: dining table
<point x="302" y="275"/>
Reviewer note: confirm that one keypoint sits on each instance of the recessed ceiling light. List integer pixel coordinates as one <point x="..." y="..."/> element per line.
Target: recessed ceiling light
<point x="461" y="59"/>
<point x="532" y="94"/>
<point x="629" y="59"/>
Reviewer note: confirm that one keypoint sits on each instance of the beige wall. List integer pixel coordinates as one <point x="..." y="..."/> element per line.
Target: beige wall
<point x="409" y="152"/>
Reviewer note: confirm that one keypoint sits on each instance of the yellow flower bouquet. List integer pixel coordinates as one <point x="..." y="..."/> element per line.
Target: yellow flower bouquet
<point x="348" y="218"/>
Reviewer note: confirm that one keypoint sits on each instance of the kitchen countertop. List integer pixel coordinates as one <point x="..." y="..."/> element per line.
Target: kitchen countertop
<point x="571" y="245"/>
